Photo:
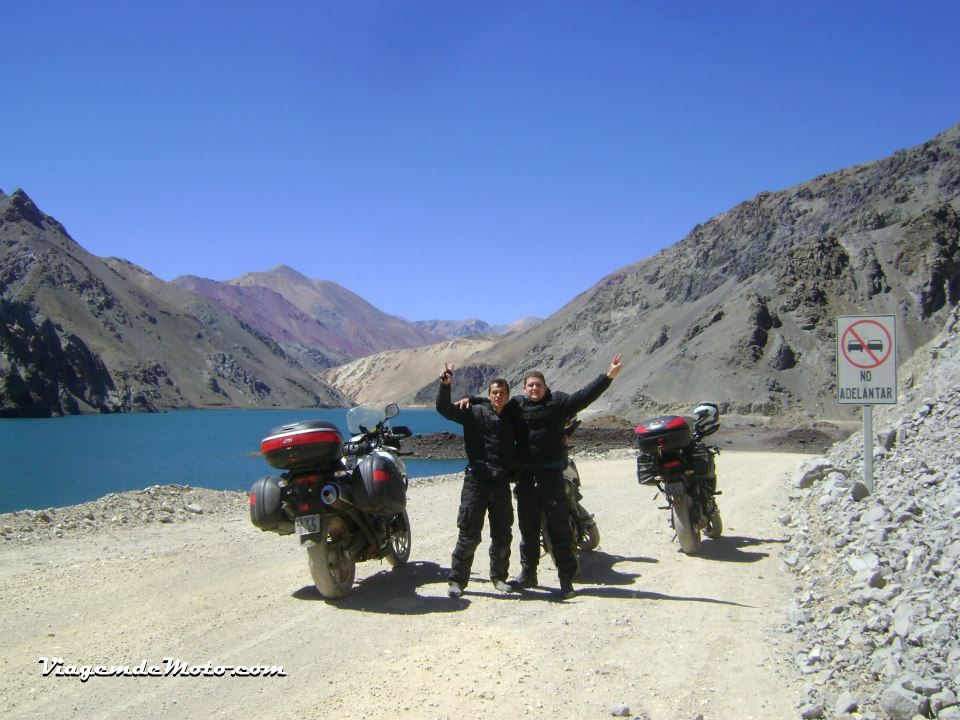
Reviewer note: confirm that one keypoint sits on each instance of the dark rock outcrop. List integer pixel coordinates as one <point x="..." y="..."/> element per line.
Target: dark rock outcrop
<point x="467" y="380"/>
<point x="44" y="371"/>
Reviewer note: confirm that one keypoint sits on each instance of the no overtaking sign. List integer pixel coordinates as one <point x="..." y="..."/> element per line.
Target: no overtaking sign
<point x="866" y="360"/>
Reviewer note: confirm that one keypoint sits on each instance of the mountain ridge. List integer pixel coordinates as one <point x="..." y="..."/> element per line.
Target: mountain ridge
<point x="740" y="311"/>
<point x="89" y="334"/>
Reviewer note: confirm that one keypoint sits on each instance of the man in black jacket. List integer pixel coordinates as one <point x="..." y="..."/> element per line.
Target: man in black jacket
<point x="489" y="440"/>
<point x="541" y="459"/>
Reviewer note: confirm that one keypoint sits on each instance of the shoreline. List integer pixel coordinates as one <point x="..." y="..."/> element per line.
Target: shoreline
<point x="177" y="505"/>
<point x="595" y="439"/>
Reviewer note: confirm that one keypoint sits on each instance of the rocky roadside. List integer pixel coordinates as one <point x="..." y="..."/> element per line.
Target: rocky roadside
<point x="878" y="574"/>
<point x="156" y="504"/>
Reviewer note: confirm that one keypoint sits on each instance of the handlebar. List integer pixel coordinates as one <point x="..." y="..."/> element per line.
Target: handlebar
<point x="379" y="436"/>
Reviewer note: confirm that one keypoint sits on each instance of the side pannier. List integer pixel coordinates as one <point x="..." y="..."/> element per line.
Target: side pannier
<point x="379" y="487"/>
<point x="266" y="506"/>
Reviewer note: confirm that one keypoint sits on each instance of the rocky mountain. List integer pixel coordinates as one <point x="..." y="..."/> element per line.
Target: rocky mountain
<point x="80" y="333"/>
<point x="359" y="328"/>
<point x="314" y="344"/>
<point x="465" y="328"/>
<point x="459" y="328"/>
<point x="742" y="310"/>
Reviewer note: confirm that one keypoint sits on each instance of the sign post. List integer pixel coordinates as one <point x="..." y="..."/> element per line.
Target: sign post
<point x="867" y="371"/>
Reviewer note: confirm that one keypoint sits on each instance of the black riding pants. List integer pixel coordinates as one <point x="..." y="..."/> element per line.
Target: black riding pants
<point x="540" y="494"/>
<point x="479" y="497"/>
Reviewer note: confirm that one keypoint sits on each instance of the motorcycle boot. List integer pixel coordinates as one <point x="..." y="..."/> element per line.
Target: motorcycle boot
<point x="526" y="579"/>
<point x="566" y="590"/>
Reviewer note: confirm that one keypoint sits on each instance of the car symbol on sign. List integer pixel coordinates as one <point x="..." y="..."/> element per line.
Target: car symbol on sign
<point x="857" y="346"/>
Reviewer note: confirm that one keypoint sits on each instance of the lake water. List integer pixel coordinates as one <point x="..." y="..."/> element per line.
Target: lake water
<point x="64" y="461"/>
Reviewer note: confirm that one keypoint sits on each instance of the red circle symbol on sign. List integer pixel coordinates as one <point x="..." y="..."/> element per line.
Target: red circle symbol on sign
<point x="866" y="344"/>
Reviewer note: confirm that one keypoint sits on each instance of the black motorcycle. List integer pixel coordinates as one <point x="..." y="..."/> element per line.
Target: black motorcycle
<point x="345" y="502"/>
<point x="584" y="528"/>
<point x="674" y="458"/>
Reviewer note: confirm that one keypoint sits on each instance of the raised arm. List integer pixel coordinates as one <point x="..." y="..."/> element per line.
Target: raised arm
<point x="444" y="406"/>
<point x="575" y="402"/>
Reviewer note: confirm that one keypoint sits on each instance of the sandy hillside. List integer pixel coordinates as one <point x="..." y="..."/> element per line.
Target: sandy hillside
<point x="669" y="636"/>
<point x="396" y="375"/>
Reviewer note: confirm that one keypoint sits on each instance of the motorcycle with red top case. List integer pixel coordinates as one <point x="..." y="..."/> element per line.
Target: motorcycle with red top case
<point x="674" y="458"/>
<point x="345" y="502"/>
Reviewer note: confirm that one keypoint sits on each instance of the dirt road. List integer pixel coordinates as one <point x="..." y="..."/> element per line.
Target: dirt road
<point x="667" y="635"/>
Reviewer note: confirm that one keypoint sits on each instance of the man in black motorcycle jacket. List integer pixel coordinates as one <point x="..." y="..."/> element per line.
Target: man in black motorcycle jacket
<point x="541" y="459"/>
<point x="488" y="437"/>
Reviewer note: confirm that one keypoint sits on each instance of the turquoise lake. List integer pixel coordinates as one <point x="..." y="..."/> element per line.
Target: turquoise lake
<point x="63" y="461"/>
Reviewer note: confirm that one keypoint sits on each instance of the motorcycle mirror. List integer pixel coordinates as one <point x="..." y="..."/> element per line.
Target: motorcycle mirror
<point x="391" y="410"/>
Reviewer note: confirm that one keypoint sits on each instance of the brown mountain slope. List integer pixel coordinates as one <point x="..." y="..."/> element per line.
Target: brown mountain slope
<point x="361" y="328"/>
<point x="742" y="310"/>
<point x="90" y="334"/>
<point x="314" y="344"/>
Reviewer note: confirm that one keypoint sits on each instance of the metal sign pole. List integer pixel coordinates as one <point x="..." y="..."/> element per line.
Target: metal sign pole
<point x="867" y="372"/>
<point x="868" y="447"/>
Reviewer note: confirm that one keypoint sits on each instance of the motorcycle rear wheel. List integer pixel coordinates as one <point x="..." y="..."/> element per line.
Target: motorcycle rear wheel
<point x="589" y="536"/>
<point x="398" y="542"/>
<point x="714" y="527"/>
<point x="331" y="568"/>
<point x="687" y="535"/>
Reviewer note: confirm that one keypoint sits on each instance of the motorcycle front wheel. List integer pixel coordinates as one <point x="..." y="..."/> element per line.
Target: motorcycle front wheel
<point x="331" y="568"/>
<point x="687" y="534"/>
<point x="398" y="541"/>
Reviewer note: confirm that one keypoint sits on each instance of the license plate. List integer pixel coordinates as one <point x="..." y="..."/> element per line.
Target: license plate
<point x="673" y="489"/>
<point x="307" y="524"/>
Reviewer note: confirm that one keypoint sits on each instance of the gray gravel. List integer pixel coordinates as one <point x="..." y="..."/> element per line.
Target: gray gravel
<point x="875" y="621"/>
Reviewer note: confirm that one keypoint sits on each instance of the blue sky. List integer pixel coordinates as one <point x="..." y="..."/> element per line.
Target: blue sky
<point x="448" y="159"/>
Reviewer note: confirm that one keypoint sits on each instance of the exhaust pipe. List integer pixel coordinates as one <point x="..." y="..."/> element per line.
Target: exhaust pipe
<point x="329" y="494"/>
<point x="335" y="496"/>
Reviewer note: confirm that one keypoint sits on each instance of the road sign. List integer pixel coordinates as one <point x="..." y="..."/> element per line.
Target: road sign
<point x="866" y="360"/>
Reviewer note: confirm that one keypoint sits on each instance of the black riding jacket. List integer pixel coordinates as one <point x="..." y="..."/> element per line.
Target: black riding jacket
<point x="539" y="431"/>
<point x="488" y="437"/>
<point x="540" y="427"/>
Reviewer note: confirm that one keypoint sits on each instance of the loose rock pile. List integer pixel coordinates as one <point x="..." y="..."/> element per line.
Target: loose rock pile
<point x="155" y="504"/>
<point x="876" y="617"/>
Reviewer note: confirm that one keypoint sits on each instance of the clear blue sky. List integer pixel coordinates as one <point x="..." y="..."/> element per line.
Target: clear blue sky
<point x="447" y="159"/>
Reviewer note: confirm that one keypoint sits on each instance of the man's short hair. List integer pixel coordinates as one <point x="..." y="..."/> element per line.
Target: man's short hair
<point x="536" y="374"/>
<point x="501" y="382"/>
